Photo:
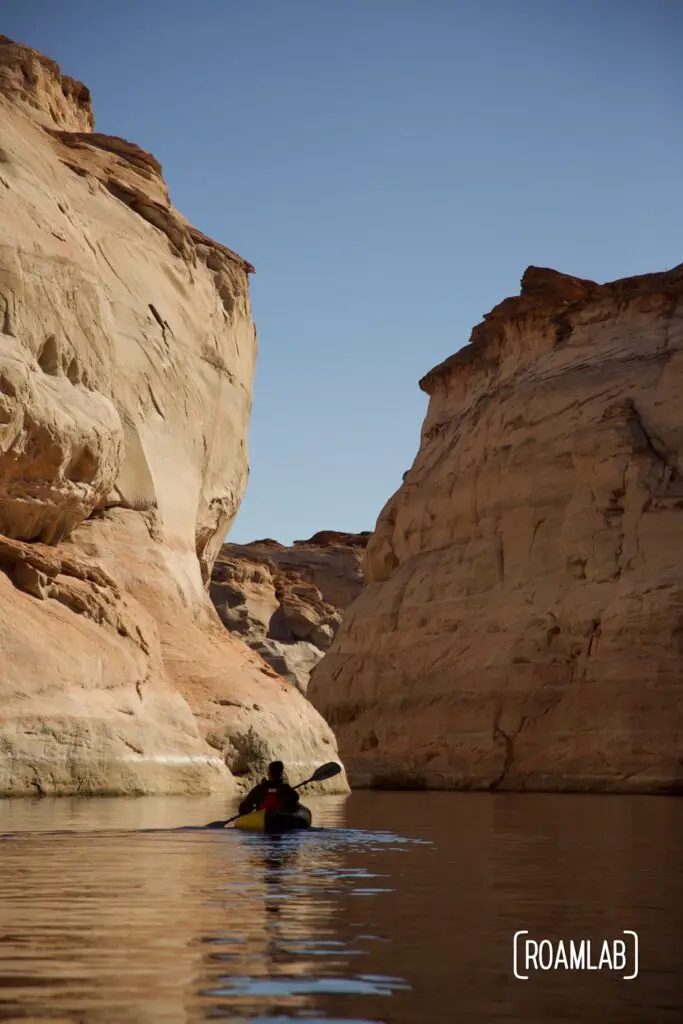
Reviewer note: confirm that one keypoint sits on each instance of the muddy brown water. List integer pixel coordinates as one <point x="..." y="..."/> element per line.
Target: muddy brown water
<point x="401" y="909"/>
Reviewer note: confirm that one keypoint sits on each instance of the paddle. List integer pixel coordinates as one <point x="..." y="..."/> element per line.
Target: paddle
<point x="325" y="771"/>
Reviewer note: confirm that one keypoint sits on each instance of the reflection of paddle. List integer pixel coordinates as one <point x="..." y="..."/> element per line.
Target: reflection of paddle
<point x="325" y="771"/>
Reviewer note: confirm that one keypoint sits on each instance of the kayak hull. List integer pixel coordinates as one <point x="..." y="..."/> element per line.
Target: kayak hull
<point x="275" y="821"/>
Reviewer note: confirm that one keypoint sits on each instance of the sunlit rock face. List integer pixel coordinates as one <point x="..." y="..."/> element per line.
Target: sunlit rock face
<point x="522" y="617"/>
<point x="127" y="351"/>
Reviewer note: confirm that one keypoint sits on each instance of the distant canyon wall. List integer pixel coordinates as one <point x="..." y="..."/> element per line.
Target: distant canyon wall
<point x="522" y="621"/>
<point x="287" y="602"/>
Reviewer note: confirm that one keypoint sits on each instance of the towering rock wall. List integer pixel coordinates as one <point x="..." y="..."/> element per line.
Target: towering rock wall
<point x="522" y="622"/>
<point x="127" y="351"/>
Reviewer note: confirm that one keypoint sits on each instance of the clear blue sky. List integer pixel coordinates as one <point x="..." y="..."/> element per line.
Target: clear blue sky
<point x="390" y="167"/>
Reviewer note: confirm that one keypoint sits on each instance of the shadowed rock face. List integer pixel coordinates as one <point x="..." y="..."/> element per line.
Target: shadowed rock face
<point x="287" y="603"/>
<point x="522" y="617"/>
<point x="127" y="351"/>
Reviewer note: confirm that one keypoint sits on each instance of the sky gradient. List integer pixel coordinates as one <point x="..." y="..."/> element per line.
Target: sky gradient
<point x="390" y="168"/>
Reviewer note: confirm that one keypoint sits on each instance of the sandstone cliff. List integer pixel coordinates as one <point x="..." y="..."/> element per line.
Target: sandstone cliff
<point x="522" y="620"/>
<point x="288" y="602"/>
<point x="126" y="359"/>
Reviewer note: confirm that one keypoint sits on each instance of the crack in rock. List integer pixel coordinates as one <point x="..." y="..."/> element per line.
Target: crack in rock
<point x="509" y="743"/>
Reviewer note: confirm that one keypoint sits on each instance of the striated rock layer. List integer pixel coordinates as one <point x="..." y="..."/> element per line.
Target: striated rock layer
<point x="287" y="603"/>
<point x="127" y="351"/>
<point x="522" y="622"/>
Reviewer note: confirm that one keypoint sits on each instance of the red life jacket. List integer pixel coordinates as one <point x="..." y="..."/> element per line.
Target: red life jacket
<point x="272" y="801"/>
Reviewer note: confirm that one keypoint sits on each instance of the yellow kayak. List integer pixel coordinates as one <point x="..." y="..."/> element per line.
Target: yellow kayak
<point x="275" y="821"/>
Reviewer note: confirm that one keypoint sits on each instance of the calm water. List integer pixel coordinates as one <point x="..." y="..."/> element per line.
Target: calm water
<point x="402" y="910"/>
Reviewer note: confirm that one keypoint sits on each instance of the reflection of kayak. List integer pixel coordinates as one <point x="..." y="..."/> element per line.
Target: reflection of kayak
<point x="275" y="821"/>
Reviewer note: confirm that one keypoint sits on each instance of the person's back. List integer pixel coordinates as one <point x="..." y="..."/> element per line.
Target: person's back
<point x="278" y="796"/>
<point x="271" y="794"/>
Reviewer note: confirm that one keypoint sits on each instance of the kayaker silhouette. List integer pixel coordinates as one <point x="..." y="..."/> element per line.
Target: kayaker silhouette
<point x="271" y="794"/>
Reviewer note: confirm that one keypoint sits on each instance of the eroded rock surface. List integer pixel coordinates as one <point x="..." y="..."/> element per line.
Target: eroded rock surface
<point x="522" y="617"/>
<point x="288" y="602"/>
<point x="127" y="352"/>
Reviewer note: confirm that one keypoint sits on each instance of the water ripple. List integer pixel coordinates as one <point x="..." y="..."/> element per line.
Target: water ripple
<point x="113" y="914"/>
<point x="105" y="920"/>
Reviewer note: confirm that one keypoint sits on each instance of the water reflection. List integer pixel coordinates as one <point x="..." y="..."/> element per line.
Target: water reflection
<point x="355" y="923"/>
<point x="176" y="925"/>
<point x="301" y="881"/>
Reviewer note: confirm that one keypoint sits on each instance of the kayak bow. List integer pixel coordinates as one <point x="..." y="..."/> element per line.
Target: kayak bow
<point x="275" y="821"/>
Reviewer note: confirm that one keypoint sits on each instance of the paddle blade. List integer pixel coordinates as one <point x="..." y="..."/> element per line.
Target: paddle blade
<point x="326" y="771"/>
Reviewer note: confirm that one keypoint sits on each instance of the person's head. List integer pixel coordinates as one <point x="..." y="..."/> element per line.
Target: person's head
<point x="276" y="771"/>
